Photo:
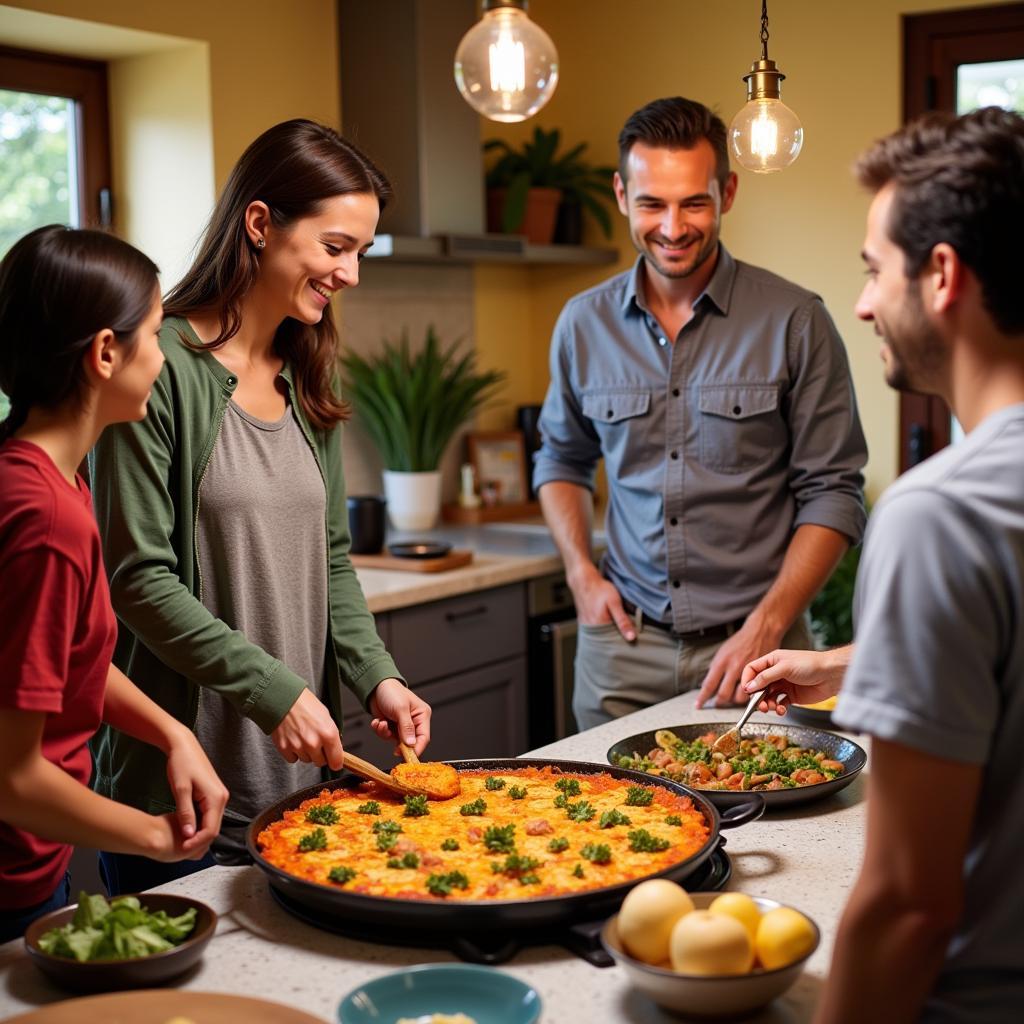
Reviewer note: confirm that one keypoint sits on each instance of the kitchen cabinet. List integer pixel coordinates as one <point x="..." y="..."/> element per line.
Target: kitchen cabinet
<point x="465" y="656"/>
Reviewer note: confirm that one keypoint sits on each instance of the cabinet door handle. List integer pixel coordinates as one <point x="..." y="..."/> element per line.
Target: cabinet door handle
<point x="469" y="613"/>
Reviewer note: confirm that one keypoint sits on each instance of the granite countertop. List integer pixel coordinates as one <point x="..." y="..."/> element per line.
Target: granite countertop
<point x="807" y="856"/>
<point x="502" y="553"/>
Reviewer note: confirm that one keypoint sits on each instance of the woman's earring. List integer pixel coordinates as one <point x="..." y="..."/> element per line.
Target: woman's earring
<point x="261" y="243"/>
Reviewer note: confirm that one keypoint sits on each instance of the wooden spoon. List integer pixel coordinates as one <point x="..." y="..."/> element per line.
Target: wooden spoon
<point x="374" y="774"/>
<point x="439" y="781"/>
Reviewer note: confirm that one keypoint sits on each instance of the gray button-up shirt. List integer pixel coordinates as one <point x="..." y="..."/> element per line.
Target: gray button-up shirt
<point x="717" y="447"/>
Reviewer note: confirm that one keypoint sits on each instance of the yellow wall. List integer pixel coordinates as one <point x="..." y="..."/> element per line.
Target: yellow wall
<point x="269" y="59"/>
<point x="843" y="64"/>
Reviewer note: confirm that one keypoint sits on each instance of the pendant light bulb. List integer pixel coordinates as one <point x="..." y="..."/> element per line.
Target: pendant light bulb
<point x="506" y="66"/>
<point x="765" y="136"/>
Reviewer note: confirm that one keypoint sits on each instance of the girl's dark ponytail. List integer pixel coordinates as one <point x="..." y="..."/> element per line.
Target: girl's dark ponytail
<point x="59" y="287"/>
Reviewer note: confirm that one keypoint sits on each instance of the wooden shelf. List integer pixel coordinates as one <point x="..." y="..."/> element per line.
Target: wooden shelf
<point x="489" y="513"/>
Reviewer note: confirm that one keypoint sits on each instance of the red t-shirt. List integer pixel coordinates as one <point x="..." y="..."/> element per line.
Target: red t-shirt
<point x="57" y="633"/>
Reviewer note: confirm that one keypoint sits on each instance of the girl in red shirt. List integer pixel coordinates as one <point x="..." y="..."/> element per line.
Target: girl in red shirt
<point x="79" y="315"/>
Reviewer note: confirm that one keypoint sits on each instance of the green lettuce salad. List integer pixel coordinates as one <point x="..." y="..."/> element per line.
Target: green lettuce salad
<point x="117" y="930"/>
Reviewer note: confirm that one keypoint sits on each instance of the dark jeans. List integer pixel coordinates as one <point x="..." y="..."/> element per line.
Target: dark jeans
<point x="124" y="872"/>
<point x="14" y="922"/>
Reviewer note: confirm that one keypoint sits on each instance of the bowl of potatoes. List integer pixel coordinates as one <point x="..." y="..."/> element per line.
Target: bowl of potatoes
<point x="708" y="954"/>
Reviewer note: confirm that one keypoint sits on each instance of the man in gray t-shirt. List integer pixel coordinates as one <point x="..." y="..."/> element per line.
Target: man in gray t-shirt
<point x="933" y="930"/>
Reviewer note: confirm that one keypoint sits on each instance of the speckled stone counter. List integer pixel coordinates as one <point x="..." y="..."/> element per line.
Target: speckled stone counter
<point x="807" y="856"/>
<point x="502" y="553"/>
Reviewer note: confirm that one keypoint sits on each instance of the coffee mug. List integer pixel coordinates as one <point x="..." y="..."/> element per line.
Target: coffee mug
<point x="366" y="523"/>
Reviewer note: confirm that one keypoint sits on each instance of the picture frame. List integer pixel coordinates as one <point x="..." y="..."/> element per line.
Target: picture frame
<point x="498" y="458"/>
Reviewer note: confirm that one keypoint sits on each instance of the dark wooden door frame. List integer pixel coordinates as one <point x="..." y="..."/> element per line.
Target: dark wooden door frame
<point x="85" y="82"/>
<point x="933" y="46"/>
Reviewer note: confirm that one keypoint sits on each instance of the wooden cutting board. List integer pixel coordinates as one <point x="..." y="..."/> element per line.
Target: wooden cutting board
<point x="161" y="1006"/>
<point x="453" y="560"/>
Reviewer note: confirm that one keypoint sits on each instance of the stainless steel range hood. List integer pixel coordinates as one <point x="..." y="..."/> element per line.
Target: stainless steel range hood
<point x="399" y="103"/>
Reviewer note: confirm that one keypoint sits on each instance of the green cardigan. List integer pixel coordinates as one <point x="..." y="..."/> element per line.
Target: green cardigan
<point x="146" y="490"/>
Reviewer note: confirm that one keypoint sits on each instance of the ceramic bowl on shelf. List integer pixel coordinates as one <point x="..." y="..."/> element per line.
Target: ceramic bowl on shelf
<point x="483" y="994"/>
<point x="716" y="996"/>
<point x="135" y="972"/>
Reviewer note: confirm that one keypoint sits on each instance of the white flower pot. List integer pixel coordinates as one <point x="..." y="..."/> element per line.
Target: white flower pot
<point x="414" y="499"/>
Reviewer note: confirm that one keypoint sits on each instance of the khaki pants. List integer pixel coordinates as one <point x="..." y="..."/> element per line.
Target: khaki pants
<point x="614" y="677"/>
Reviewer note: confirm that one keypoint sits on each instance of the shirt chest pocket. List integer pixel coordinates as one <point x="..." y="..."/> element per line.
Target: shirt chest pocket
<point x="740" y="426"/>
<point x="615" y="406"/>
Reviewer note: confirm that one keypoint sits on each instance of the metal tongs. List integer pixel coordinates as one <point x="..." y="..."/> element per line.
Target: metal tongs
<point x="729" y="741"/>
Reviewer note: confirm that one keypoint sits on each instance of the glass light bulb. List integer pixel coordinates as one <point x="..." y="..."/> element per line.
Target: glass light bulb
<point x="765" y="136"/>
<point x="506" y="66"/>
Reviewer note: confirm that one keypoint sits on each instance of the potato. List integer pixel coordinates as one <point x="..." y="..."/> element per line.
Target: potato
<point x="647" y="916"/>
<point x="710" y="944"/>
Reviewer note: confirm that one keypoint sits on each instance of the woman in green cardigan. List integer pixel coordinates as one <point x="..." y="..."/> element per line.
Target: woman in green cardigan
<point x="223" y="514"/>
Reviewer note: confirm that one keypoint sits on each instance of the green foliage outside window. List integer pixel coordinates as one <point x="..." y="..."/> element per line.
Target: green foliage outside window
<point x="35" y="168"/>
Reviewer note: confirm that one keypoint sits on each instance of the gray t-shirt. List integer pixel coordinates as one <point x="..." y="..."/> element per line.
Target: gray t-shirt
<point x="262" y="550"/>
<point x="939" y="668"/>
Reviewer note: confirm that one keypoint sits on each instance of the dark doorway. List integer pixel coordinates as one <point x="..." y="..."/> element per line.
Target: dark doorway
<point x="956" y="61"/>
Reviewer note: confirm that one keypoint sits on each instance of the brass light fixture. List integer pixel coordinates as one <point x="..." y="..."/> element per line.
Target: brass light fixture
<point x="506" y="66"/>
<point x="765" y="136"/>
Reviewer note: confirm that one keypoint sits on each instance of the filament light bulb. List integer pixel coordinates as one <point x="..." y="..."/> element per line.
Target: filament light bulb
<point x="506" y="66"/>
<point x="765" y="136"/>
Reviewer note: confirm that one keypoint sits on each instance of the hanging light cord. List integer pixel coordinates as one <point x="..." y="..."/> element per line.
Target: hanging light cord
<point x="764" y="29"/>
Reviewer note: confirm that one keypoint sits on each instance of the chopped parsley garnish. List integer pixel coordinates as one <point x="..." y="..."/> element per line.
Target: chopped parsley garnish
<point x="570" y="787"/>
<point x="558" y="845"/>
<point x="416" y="806"/>
<point x="614" y="817"/>
<point x="597" y="853"/>
<point x="641" y="841"/>
<point x="442" y="885"/>
<point x="561" y="800"/>
<point x="387" y="826"/>
<point x="386" y="840"/>
<point x="408" y="860"/>
<point x="478" y="806"/>
<point x="514" y="865"/>
<point x="639" y="796"/>
<point x="673" y="819"/>
<point x="323" y="814"/>
<point x="450" y="844"/>
<point x="530" y="879"/>
<point x="517" y="792"/>
<point x="493" y="784"/>
<point x="582" y="811"/>
<point x="500" y="840"/>
<point x="341" y="875"/>
<point x="315" y="840"/>
<point x="578" y="871"/>
<point x="370" y="807"/>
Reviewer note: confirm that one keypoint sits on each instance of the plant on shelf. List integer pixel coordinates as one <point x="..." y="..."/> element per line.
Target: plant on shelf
<point x="411" y="405"/>
<point x="832" y="608"/>
<point x="537" y="166"/>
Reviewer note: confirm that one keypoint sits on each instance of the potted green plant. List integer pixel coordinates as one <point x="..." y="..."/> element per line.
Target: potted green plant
<point x="411" y="405"/>
<point x="526" y="186"/>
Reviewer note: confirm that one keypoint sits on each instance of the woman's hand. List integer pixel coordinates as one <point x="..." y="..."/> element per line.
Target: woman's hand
<point x="194" y="783"/>
<point x="308" y="733"/>
<point x="393" y="702"/>
<point x="802" y="677"/>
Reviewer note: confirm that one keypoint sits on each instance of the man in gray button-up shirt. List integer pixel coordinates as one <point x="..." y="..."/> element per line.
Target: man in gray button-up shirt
<point x="720" y="398"/>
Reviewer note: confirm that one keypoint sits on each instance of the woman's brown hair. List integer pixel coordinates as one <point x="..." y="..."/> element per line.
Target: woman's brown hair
<point x="292" y="167"/>
<point x="59" y="287"/>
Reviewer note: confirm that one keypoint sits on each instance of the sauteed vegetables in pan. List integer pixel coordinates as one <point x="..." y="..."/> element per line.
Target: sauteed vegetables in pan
<point x="765" y="763"/>
<point x="518" y="834"/>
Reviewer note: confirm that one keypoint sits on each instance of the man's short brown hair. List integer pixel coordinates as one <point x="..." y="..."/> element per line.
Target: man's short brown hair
<point x="675" y="123"/>
<point x="958" y="180"/>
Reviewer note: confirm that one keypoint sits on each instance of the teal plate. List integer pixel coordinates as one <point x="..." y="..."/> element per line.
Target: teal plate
<point x="482" y="993"/>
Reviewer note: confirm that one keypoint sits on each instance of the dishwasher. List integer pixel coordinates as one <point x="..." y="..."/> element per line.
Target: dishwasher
<point x="551" y="654"/>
